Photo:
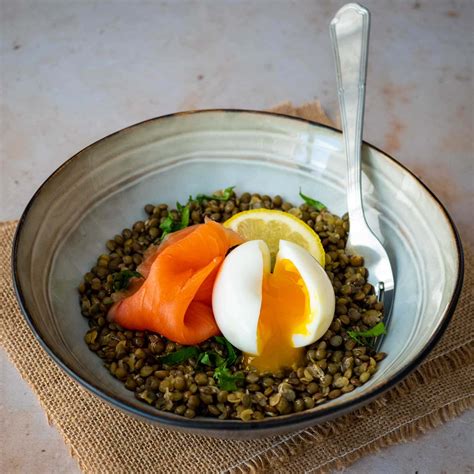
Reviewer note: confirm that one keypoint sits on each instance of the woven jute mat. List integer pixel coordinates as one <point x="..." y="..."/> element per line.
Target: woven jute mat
<point x="104" y="440"/>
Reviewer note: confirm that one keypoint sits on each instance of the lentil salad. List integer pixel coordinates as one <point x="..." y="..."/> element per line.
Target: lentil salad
<point x="209" y="380"/>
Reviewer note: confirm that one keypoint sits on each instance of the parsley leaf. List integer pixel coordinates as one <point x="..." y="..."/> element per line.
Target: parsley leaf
<point x="179" y="356"/>
<point x="224" y="377"/>
<point x="225" y="195"/>
<point x="169" y="225"/>
<point x="122" y="279"/>
<point x="231" y="352"/>
<point x="180" y="207"/>
<point x="319" y="206"/>
<point x="376" y="331"/>
<point x="211" y="358"/>
<point x="226" y="380"/>
<point x="185" y="217"/>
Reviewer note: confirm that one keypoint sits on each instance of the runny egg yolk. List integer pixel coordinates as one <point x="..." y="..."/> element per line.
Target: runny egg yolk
<point x="284" y="312"/>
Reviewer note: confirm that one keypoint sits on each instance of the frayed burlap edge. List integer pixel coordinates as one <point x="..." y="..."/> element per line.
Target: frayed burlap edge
<point x="406" y="431"/>
<point x="402" y="434"/>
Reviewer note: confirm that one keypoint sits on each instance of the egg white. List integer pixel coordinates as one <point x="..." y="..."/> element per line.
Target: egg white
<point x="237" y="293"/>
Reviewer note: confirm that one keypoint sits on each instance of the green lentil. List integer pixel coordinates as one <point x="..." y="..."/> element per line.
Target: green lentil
<point x="201" y="379"/>
<point x="364" y="377"/>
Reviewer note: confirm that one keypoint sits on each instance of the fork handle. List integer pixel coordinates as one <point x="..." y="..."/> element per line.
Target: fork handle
<point x="349" y="32"/>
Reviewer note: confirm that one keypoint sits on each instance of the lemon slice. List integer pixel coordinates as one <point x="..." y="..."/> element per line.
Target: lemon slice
<point x="273" y="226"/>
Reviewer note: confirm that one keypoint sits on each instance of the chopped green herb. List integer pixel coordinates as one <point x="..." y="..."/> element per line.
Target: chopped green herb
<point x="122" y="279"/>
<point x="226" y="380"/>
<point x="231" y="352"/>
<point x="179" y="356"/>
<point x="319" y="206"/>
<point x="169" y="225"/>
<point x="224" y="196"/>
<point x="222" y="374"/>
<point x="180" y="207"/>
<point x="211" y="358"/>
<point x="185" y="217"/>
<point x="376" y="331"/>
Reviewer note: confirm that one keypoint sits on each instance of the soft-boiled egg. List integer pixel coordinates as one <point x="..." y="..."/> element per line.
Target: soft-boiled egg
<point x="268" y="315"/>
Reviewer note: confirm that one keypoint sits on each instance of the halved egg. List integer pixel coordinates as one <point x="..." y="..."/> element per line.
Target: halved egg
<point x="268" y="315"/>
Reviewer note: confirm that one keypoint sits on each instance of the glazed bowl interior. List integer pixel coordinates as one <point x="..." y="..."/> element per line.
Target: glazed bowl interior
<point x="103" y="189"/>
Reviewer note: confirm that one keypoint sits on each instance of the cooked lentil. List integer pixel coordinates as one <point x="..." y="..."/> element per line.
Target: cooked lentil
<point x="335" y="365"/>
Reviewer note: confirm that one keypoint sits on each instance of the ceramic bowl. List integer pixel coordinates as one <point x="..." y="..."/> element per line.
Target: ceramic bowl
<point x="103" y="189"/>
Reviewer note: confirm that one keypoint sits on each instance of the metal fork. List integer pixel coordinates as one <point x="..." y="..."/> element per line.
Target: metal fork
<point x="349" y="32"/>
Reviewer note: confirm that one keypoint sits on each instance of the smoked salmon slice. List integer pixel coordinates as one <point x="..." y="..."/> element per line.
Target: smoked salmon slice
<point x="175" y="299"/>
<point x="154" y="250"/>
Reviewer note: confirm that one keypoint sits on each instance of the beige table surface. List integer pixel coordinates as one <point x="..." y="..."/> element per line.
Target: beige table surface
<point x="72" y="72"/>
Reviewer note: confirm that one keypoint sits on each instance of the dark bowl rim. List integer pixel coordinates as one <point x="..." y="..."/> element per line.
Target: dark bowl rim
<point x="203" y="425"/>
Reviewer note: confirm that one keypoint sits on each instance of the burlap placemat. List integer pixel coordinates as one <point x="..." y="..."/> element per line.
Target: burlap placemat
<point x="105" y="440"/>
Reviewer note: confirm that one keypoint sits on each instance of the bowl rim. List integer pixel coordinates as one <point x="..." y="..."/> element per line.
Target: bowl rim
<point x="207" y="425"/>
